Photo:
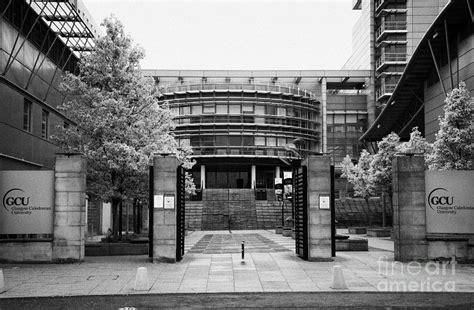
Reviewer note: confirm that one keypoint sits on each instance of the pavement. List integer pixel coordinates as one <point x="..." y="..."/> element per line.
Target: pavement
<point x="213" y="265"/>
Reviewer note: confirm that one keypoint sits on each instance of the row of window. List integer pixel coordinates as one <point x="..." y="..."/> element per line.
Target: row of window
<point x="247" y="120"/>
<point x="237" y="140"/>
<point x="27" y="119"/>
<point x="246" y="108"/>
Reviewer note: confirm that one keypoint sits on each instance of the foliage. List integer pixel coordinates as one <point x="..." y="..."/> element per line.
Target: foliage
<point x="119" y="122"/>
<point x="452" y="148"/>
<point x="359" y="175"/>
<point x="381" y="165"/>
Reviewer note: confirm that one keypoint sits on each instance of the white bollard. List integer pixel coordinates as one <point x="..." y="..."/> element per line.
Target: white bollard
<point x="2" y="282"/>
<point x="338" y="282"/>
<point x="141" y="281"/>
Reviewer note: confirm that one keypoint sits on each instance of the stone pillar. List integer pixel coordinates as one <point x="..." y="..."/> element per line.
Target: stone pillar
<point x="69" y="208"/>
<point x="253" y="176"/>
<point x="319" y="220"/>
<point x="409" y="213"/>
<point x="324" y="115"/>
<point x="164" y="220"/>
<point x="277" y="171"/>
<point x="203" y="177"/>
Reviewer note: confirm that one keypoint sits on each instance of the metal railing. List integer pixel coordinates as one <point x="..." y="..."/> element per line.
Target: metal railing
<point x="385" y="90"/>
<point x="390" y="26"/>
<point x="390" y="57"/>
<point x="380" y="4"/>
<point x="288" y="89"/>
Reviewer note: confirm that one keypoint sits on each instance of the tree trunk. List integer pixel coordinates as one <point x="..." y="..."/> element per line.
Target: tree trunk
<point x="134" y="215"/>
<point x="127" y="217"/>
<point x="115" y="220"/>
<point x="120" y="222"/>
<point x="369" y="221"/>
<point x="383" y="209"/>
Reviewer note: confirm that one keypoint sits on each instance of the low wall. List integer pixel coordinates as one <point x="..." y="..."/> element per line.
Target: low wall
<point x="431" y="223"/>
<point x="26" y="252"/>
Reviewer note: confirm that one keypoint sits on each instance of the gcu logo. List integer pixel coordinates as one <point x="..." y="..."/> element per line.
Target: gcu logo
<point x="435" y="200"/>
<point x="10" y="199"/>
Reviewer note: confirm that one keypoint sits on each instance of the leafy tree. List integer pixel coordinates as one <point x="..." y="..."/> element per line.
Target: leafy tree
<point x="120" y="124"/>
<point x="452" y="148"/>
<point x="381" y="167"/>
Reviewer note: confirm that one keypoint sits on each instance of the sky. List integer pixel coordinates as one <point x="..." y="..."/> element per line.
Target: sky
<point x="236" y="34"/>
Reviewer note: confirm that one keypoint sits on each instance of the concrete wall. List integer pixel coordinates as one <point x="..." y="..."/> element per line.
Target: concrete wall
<point x="319" y="221"/>
<point x="68" y="244"/>
<point x="412" y="242"/>
<point x="164" y="222"/>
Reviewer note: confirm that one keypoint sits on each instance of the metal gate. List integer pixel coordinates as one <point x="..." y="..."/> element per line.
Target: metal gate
<point x="180" y="209"/>
<point x="150" y="212"/>
<point x="300" y="185"/>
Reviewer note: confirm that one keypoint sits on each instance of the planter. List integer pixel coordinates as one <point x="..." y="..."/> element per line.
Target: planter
<point x="357" y="230"/>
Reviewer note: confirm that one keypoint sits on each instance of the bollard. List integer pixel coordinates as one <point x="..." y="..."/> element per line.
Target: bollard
<point x="338" y="282"/>
<point x="243" y="252"/>
<point x="141" y="280"/>
<point x="2" y="282"/>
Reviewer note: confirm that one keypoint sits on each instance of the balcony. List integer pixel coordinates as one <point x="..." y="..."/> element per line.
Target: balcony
<point x="380" y="4"/>
<point x="385" y="91"/>
<point x="286" y="89"/>
<point x="390" y="59"/>
<point x="389" y="27"/>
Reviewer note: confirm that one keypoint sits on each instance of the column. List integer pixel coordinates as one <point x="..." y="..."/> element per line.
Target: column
<point x="277" y="171"/>
<point x="409" y="213"/>
<point x="253" y="176"/>
<point x="69" y="208"/>
<point x="203" y="177"/>
<point x="324" y="115"/>
<point x="319" y="220"/>
<point x="164" y="220"/>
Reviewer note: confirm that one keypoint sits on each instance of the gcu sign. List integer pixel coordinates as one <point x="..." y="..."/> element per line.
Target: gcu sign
<point x="449" y="202"/>
<point x="27" y="202"/>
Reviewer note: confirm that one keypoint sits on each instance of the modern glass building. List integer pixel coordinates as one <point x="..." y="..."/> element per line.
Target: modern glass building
<point x="246" y="127"/>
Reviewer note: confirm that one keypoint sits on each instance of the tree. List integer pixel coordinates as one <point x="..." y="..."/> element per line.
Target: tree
<point x="119" y="122"/>
<point x="452" y="148"/>
<point x="381" y="167"/>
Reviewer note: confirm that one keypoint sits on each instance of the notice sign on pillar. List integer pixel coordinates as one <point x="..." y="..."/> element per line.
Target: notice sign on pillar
<point x="324" y="202"/>
<point x="169" y="202"/>
<point x="158" y="201"/>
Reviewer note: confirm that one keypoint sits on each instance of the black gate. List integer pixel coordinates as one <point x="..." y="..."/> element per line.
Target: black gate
<point x="300" y="185"/>
<point x="180" y="201"/>
<point x="150" y="212"/>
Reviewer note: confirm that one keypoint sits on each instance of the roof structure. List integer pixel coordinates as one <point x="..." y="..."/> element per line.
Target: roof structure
<point x="405" y="108"/>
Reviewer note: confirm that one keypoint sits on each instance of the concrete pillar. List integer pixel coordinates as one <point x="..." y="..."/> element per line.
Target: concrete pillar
<point x="319" y="220"/>
<point x="69" y="208"/>
<point x="253" y="176"/>
<point x="409" y="213"/>
<point x="324" y="128"/>
<point x="277" y="171"/>
<point x="203" y="176"/>
<point x="164" y="219"/>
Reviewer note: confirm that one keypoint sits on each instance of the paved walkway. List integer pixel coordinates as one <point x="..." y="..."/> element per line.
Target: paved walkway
<point x="261" y="272"/>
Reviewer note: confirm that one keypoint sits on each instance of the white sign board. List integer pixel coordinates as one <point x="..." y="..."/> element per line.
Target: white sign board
<point x="158" y="201"/>
<point x="169" y="202"/>
<point x="27" y="202"/>
<point x="449" y="202"/>
<point x="324" y="202"/>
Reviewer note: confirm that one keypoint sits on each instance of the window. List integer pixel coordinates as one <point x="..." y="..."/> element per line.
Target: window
<point x="221" y="108"/>
<point x="259" y="140"/>
<point x="44" y="124"/>
<point x="209" y="108"/>
<point x="247" y="108"/>
<point x="234" y="108"/>
<point x="27" y="115"/>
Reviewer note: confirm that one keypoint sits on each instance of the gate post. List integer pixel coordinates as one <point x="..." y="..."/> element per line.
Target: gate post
<point x="69" y="208"/>
<point x="164" y="212"/>
<point x="319" y="211"/>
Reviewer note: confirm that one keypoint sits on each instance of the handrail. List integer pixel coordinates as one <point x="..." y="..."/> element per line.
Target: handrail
<point x="390" y="25"/>
<point x="388" y="57"/>
<point x="294" y="90"/>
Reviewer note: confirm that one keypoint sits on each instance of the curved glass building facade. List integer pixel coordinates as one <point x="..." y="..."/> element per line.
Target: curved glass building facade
<point x="239" y="131"/>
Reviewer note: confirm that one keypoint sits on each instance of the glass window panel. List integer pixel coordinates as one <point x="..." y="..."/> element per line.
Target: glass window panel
<point x="235" y="140"/>
<point x="208" y="108"/>
<point x="281" y="141"/>
<point x="281" y="111"/>
<point x="259" y="109"/>
<point x="196" y="109"/>
<point x="247" y="108"/>
<point x="222" y="140"/>
<point x="259" y="140"/>
<point x="270" y="110"/>
<point x="184" y="110"/>
<point x="351" y="118"/>
<point x="260" y="120"/>
<point x="234" y="109"/>
<point x="338" y="119"/>
<point x="221" y="108"/>
<point x="248" y="141"/>
<point x="271" y="141"/>
<point x="330" y="119"/>
<point x="207" y="140"/>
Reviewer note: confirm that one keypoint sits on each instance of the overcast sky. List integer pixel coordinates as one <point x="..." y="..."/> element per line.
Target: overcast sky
<point x="236" y="34"/>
